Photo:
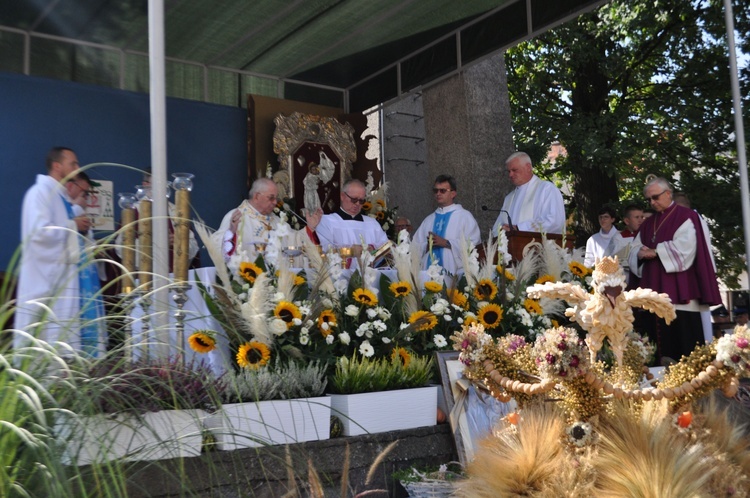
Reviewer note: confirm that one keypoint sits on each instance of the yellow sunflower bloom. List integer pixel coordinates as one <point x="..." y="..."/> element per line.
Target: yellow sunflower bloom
<point x="326" y="317"/>
<point x="366" y="297"/>
<point x="424" y="320"/>
<point x="202" y="342"/>
<point x="401" y="355"/>
<point x="544" y="279"/>
<point x="299" y="280"/>
<point x="433" y="286"/>
<point x="380" y="216"/>
<point x="486" y="290"/>
<point x="470" y="320"/>
<point x="381" y="203"/>
<point x="288" y="312"/>
<point x="250" y="271"/>
<point x="532" y="306"/>
<point x="578" y="269"/>
<point x="459" y="299"/>
<point x="509" y="276"/>
<point x="253" y="355"/>
<point x="367" y="206"/>
<point x="490" y="316"/>
<point x="400" y="289"/>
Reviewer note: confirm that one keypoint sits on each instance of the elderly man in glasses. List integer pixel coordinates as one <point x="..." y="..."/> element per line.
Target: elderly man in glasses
<point x="348" y="226"/>
<point x="247" y="227"/>
<point x="670" y="254"/>
<point x="535" y="205"/>
<point x="440" y="234"/>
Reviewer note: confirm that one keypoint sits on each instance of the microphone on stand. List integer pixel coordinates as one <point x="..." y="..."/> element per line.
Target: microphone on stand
<point x="510" y="222"/>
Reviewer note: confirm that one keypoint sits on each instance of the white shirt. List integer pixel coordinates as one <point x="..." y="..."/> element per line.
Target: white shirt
<point x="600" y="244"/>
<point x="542" y="211"/>
<point x="333" y="231"/>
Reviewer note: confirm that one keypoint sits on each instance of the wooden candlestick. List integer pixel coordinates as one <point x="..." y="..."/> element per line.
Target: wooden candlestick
<point x="128" y="250"/>
<point x="146" y="237"/>
<point x="181" y="235"/>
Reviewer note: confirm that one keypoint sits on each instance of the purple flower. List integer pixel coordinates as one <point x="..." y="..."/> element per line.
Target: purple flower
<point x="735" y="358"/>
<point x="550" y="358"/>
<point x="562" y="346"/>
<point x="562" y="373"/>
<point x="574" y="361"/>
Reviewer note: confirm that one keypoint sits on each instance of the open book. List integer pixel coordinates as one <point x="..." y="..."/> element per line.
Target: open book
<point x="381" y="253"/>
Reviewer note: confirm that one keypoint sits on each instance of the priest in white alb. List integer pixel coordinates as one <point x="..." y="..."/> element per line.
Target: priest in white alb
<point x="446" y="227"/>
<point x="48" y="300"/>
<point x="535" y="205"/>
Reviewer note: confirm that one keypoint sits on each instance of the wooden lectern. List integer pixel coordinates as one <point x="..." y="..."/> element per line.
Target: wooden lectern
<point x="518" y="240"/>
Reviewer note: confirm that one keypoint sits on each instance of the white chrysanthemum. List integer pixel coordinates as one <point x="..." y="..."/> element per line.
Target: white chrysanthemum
<point x="371" y="313"/>
<point x="386" y="340"/>
<point x="304" y="330"/>
<point x="362" y="329"/>
<point x="439" y="307"/>
<point x="345" y="338"/>
<point x="440" y="341"/>
<point x="304" y="339"/>
<point x="447" y="318"/>
<point x="383" y="313"/>
<point x="366" y="349"/>
<point x="329" y="339"/>
<point x="277" y="326"/>
<point x="297" y="321"/>
<point x="379" y="326"/>
<point x="351" y="310"/>
<point x="304" y="309"/>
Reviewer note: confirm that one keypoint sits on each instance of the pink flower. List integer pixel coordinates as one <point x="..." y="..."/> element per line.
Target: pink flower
<point x="562" y="346"/>
<point x="550" y="358"/>
<point x="574" y="361"/>
<point x="741" y="342"/>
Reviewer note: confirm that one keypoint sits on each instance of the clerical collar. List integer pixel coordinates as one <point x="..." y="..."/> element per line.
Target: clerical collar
<point x="346" y="216"/>
<point x="447" y="209"/>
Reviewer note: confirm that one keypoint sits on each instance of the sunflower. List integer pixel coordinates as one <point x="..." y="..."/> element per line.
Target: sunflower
<point x="365" y="297"/>
<point x="381" y="203"/>
<point x="367" y="206"/>
<point x="532" y="306"/>
<point x="578" y="269"/>
<point x="400" y="289"/>
<point x="253" y="355"/>
<point x="490" y="316"/>
<point x="402" y="356"/>
<point x="509" y="276"/>
<point x="544" y="279"/>
<point x="250" y="271"/>
<point x="486" y="290"/>
<point x="327" y="317"/>
<point x="380" y="216"/>
<point x="459" y="299"/>
<point x="433" y="286"/>
<point x="299" y="280"/>
<point x="202" y="341"/>
<point x="470" y="320"/>
<point x="288" y="312"/>
<point x="424" y="320"/>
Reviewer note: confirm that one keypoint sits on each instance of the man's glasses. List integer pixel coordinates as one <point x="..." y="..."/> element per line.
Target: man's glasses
<point x="441" y="190"/>
<point x="355" y="200"/>
<point x="655" y="197"/>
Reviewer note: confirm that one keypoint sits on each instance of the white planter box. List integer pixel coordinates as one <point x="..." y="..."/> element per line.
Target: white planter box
<point x="282" y="421"/>
<point x="151" y="436"/>
<point x="386" y="410"/>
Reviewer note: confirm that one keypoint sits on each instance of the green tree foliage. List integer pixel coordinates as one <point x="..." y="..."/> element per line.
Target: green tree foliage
<point x="638" y="87"/>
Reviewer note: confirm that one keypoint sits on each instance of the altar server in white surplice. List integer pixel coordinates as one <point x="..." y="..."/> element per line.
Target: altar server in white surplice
<point x="535" y="205"/>
<point x="48" y="287"/>
<point x="348" y="226"/>
<point x="447" y="226"/>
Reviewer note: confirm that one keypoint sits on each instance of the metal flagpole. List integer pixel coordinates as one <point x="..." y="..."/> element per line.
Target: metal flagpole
<point x="157" y="98"/>
<point x="739" y="130"/>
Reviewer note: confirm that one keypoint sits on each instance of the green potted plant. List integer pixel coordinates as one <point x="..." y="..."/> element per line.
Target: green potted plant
<point x="145" y="410"/>
<point x="278" y="403"/>
<point x="383" y="394"/>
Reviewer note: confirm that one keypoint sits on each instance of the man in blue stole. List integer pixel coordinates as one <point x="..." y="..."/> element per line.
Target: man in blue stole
<point x="443" y="230"/>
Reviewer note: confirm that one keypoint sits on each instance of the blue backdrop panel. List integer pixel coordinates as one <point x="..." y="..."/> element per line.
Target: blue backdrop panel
<point x="112" y="126"/>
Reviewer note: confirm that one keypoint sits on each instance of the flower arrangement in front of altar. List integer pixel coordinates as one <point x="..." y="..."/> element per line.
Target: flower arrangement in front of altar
<point x="376" y="207"/>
